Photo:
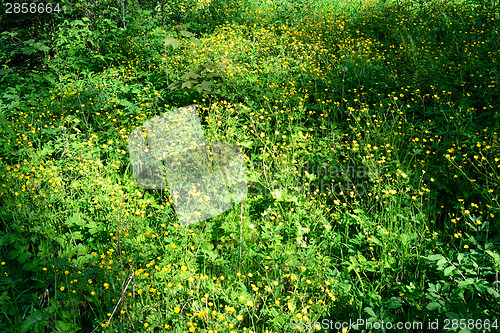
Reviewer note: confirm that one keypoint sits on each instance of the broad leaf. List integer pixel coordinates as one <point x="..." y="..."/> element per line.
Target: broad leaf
<point x="172" y="41"/>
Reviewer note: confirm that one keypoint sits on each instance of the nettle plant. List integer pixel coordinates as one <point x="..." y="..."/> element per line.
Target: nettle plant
<point x="205" y="76"/>
<point x="466" y="279"/>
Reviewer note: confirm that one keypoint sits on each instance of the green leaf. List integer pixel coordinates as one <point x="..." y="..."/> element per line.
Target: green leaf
<point x="452" y="315"/>
<point x="190" y="75"/>
<point x="186" y="33"/>
<point x="463" y="284"/>
<point x="35" y="319"/>
<point x="211" y="75"/>
<point x="204" y="86"/>
<point x="208" y="246"/>
<point x="496" y="258"/>
<point x="276" y="194"/>
<point x="273" y="312"/>
<point x="4" y="298"/>
<point x="394" y="303"/>
<point x="370" y="312"/>
<point x="433" y="306"/>
<point x="435" y="257"/>
<point x="23" y="257"/>
<point x="247" y="144"/>
<point x="441" y="263"/>
<point x="492" y="292"/>
<point x="65" y="326"/>
<point x="74" y="220"/>
<point x="172" y="41"/>
<point x="4" y="126"/>
<point x="448" y="270"/>
<point x="189" y="84"/>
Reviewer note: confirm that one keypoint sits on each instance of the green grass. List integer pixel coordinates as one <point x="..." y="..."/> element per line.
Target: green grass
<point x="370" y="138"/>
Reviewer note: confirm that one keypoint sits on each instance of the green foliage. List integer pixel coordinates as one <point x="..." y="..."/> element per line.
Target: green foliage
<point x="369" y="131"/>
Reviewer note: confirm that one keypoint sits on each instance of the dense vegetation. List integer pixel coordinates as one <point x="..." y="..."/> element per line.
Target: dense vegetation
<point x="370" y="137"/>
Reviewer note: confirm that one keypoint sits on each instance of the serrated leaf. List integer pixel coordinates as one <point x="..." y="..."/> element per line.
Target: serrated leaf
<point x="211" y="75"/>
<point x="27" y="50"/>
<point x="13" y="254"/>
<point x="190" y="75"/>
<point x="495" y="257"/>
<point x="172" y="41"/>
<point x="4" y="298"/>
<point x="210" y="65"/>
<point x="189" y="84"/>
<point x="174" y="85"/>
<point x="35" y="319"/>
<point x="75" y="219"/>
<point x="186" y="33"/>
<point x="205" y="85"/>
<point x="23" y="257"/>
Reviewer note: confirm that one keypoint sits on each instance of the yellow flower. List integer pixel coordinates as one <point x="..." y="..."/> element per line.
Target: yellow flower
<point x="177" y="309"/>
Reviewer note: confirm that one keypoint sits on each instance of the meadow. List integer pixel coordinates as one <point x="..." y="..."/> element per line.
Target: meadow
<point x="370" y="136"/>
